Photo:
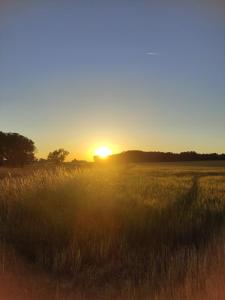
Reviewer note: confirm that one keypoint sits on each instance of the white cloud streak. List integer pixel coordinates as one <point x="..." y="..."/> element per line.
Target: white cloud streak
<point x="152" y="53"/>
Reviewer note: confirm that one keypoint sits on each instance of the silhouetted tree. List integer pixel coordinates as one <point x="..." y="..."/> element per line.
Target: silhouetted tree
<point x="16" y="149"/>
<point x="135" y="156"/>
<point x="58" y="156"/>
<point x="74" y="160"/>
<point x="2" y="147"/>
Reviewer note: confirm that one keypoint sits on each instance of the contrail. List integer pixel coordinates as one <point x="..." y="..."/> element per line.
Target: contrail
<point x="152" y="53"/>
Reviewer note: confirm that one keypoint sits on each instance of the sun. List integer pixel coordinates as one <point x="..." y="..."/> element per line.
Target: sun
<point x="103" y="152"/>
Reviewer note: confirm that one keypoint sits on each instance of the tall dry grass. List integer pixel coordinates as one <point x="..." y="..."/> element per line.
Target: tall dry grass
<point x="135" y="230"/>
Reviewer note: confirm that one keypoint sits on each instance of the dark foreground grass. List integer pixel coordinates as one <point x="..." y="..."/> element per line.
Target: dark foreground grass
<point x="116" y="229"/>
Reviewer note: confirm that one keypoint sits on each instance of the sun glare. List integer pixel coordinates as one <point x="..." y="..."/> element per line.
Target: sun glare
<point x="103" y="152"/>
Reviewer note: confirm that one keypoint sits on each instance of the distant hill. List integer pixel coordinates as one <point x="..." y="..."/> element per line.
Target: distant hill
<point x="155" y="156"/>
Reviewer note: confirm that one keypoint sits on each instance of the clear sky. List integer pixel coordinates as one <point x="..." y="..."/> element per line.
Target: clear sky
<point x="128" y="74"/>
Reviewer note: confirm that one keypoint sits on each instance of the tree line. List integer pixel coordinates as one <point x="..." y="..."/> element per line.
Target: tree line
<point x="136" y="156"/>
<point x="18" y="150"/>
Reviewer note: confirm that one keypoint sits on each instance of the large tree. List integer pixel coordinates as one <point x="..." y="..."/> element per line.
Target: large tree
<point x="16" y="149"/>
<point x="58" y="156"/>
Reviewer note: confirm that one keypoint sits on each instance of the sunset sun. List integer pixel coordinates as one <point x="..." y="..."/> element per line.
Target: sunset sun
<point x="103" y="152"/>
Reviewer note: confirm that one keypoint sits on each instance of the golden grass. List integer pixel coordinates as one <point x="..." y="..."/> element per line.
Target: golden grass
<point x="132" y="231"/>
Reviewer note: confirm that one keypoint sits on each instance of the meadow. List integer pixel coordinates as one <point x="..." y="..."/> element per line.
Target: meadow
<point x="135" y="231"/>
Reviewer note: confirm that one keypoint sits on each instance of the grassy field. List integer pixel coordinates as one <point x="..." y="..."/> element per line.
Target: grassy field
<point x="147" y="231"/>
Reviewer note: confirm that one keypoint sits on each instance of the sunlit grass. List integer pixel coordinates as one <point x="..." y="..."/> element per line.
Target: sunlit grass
<point x="131" y="227"/>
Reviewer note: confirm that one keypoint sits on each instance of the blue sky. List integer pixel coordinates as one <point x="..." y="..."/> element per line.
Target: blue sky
<point x="129" y="74"/>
